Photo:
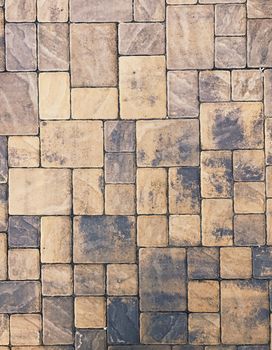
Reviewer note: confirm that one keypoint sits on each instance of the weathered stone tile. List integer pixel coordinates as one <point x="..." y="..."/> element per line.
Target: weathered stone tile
<point x="216" y="174"/>
<point x="120" y="168"/>
<point x="190" y="34"/>
<point x="3" y="262"/>
<point x="76" y="144"/>
<point x="183" y="94"/>
<point x="140" y="347"/>
<point x="21" y="47"/>
<point x="3" y="207"/>
<point x="268" y="92"/>
<point x="262" y="267"/>
<point x="53" y="46"/>
<point x="89" y="279"/>
<point x="247" y="85"/>
<point x="151" y="191"/>
<point x="268" y="141"/>
<point x="88" y="186"/>
<point x="86" y="46"/>
<point x="23" y="151"/>
<point x="120" y="199"/>
<point x="104" y="239"/>
<point x="102" y="11"/>
<point x="268" y="181"/>
<point x="90" y="312"/>
<point x="253" y="347"/>
<point x="57" y="280"/>
<point x="142" y="87"/>
<point x="24" y="232"/>
<point x="230" y="52"/>
<point x="217" y="227"/>
<point x="162" y="279"/>
<point x="203" y="263"/>
<point x="56" y="239"/>
<point x="2" y="40"/>
<point x="184" y="230"/>
<point x="249" y="230"/>
<point x="4" y="330"/>
<point x="259" y="9"/>
<point x="122" y="279"/>
<point x="152" y="231"/>
<point x="167" y="143"/>
<point x="246" y="301"/>
<point x="58" y="320"/>
<point x="25" y="329"/>
<point x="86" y="339"/>
<point x="269" y="221"/>
<point x="23" y="264"/>
<point x="149" y="10"/>
<point x="119" y="136"/>
<point x="165" y="328"/>
<point x="235" y="262"/>
<point x="52" y="10"/>
<point x="231" y="125"/>
<point x="184" y="190"/>
<point x="204" y="328"/>
<point x="230" y="19"/>
<point x="39" y="192"/>
<point x="19" y="107"/>
<point x="259" y="50"/>
<point x="54" y="95"/>
<point x="27" y="292"/>
<point x="249" y="197"/>
<point x="123" y="320"/>
<point x="248" y="165"/>
<point x="141" y="39"/>
<point x="94" y="103"/>
<point x="214" y="86"/>
<point x="203" y="296"/>
<point x="22" y="11"/>
<point x="3" y="159"/>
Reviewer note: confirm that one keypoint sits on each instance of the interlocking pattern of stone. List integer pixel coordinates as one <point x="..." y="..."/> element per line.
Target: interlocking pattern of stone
<point x="135" y="174"/>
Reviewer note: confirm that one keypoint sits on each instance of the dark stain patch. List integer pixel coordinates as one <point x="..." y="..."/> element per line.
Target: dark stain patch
<point x="120" y="136"/>
<point x="24" y="231"/>
<point x="262" y="262"/>
<point x="203" y="263"/>
<point x="86" y="339"/>
<point x="246" y="172"/>
<point x="222" y="232"/>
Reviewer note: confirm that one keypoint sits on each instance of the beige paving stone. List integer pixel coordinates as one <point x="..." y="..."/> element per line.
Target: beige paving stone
<point x="23" y="151"/>
<point x="248" y="165"/>
<point x="235" y="262"/>
<point x="39" y="192"/>
<point x="247" y="85"/>
<point x="4" y="331"/>
<point x="230" y="19"/>
<point x="25" y="329"/>
<point x="204" y="328"/>
<point x="181" y="2"/>
<point x="269" y="181"/>
<point x="249" y="197"/>
<point x="90" y="312"/>
<point x="140" y="96"/>
<point x="268" y="141"/>
<point x="24" y="264"/>
<point x="120" y="199"/>
<point x="267" y="92"/>
<point x="94" y="103"/>
<point x="2" y="40"/>
<point x="52" y="10"/>
<point x="184" y="230"/>
<point x="122" y="279"/>
<point x="214" y="86"/>
<point x="75" y="144"/>
<point x="149" y="10"/>
<point x="190" y="34"/>
<point x="269" y="221"/>
<point x="57" y="280"/>
<point x="259" y="32"/>
<point x="54" y="95"/>
<point x="86" y="46"/>
<point x="22" y="11"/>
<point x="259" y="9"/>
<point x="203" y="296"/>
<point x="152" y="231"/>
<point x="230" y="52"/>
<point x="3" y="261"/>
<point x="89" y="279"/>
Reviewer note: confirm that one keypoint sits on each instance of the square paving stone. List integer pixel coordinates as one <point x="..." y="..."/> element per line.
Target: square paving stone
<point x="24" y="231"/>
<point x="89" y="279"/>
<point x="90" y="338"/>
<point x="203" y="263"/>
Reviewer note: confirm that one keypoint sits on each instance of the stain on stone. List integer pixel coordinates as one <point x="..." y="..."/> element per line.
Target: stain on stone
<point x="203" y="263"/>
<point x="262" y="262"/>
<point x="86" y="339"/>
<point x="24" y="231"/>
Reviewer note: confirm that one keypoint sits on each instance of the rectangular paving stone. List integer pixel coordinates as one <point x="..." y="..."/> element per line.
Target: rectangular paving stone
<point x="184" y="230"/>
<point x="23" y="11"/>
<point x="203" y="296"/>
<point x="3" y="159"/>
<point x="214" y="86"/>
<point x="120" y="168"/>
<point x="57" y="280"/>
<point x="257" y="56"/>
<point x="258" y="9"/>
<point x="203" y="263"/>
<point x="122" y="279"/>
<point x="267" y="92"/>
<point x="230" y="52"/>
<point x="247" y="85"/>
<point x="20" y="323"/>
<point x="262" y="266"/>
<point x="2" y="40"/>
<point x="120" y="199"/>
<point x="152" y="231"/>
<point x="235" y="262"/>
<point x="52" y="10"/>
<point x="3" y="207"/>
<point x="230" y="19"/>
<point x="162" y="279"/>
<point x="149" y="10"/>
<point x="95" y="317"/>
<point x="24" y="264"/>
<point x="248" y="165"/>
<point x="204" y="328"/>
<point x="249" y="197"/>
<point x="3" y="261"/>
<point x="4" y="330"/>
<point x="23" y="151"/>
<point x="86" y="338"/>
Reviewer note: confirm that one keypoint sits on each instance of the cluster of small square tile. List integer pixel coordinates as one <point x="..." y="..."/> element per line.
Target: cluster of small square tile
<point x="135" y="174"/>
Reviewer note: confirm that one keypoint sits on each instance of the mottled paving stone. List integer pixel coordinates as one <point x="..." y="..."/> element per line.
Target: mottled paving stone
<point x="247" y="85"/>
<point x="165" y="328"/>
<point x="52" y="10"/>
<point x="57" y="320"/>
<point x="249" y="197"/>
<point x="246" y="301"/>
<point x="122" y="279"/>
<point x="262" y="266"/>
<point x="23" y="264"/>
<point x="214" y="86"/>
<point x="203" y="263"/>
<point x="27" y="292"/>
<point x="204" y="328"/>
<point x="3" y="159"/>
<point x="231" y="125"/>
<point x="268" y="181"/>
<point x="57" y="280"/>
<point x="120" y="199"/>
<point x="4" y="329"/>
<point x="258" y="43"/>
<point x="86" y="339"/>
<point x="268" y="141"/>
<point x="183" y="94"/>
<point x="25" y="329"/>
<point x="152" y="231"/>
<point x="90" y="312"/>
<point x="259" y="9"/>
<point x="19" y="107"/>
<point x="267" y="92"/>
<point x="248" y="165"/>
<point x="149" y="10"/>
<point x="203" y="296"/>
<point x="89" y="279"/>
<point x="217" y="227"/>
<point x="86" y="46"/>
<point x="230" y="52"/>
<point x="184" y="230"/>
<point x="269" y="221"/>
<point x="235" y="262"/>
<point x="190" y="34"/>
<point x="140" y="347"/>
<point x="162" y="279"/>
<point x="22" y="11"/>
<point x="141" y="39"/>
<point x="3" y="207"/>
<point x="249" y="230"/>
<point x="230" y="19"/>
<point x="167" y="143"/>
<point x="104" y="239"/>
<point x="120" y="168"/>
<point x="2" y="40"/>
<point x="3" y="261"/>
<point x="123" y="320"/>
<point x="140" y="96"/>
<point x="119" y="136"/>
<point x="23" y="151"/>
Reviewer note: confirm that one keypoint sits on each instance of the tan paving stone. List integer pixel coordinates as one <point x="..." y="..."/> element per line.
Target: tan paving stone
<point x="52" y="10"/>
<point x="258" y="9"/>
<point x="4" y="330"/>
<point x="152" y="231"/>
<point x="267" y="92"/>
<point x="25" y="329"/>
<point x="235" y="262"/>
<point x="89" y="279"/>
<point x="23" y="151"/>
<point x="249" y="197"/>
<point x="94" y="317"/>
<point x="230" y="52"/>
<point x="23" y="11"/>
<point x="57" y="280"/>
<point x="122" y="279"/>
<point x="247" y="85"/>
<point x="3" y="261"/>
<point x="204" y="328"/>
<point x="23" y="264"/>
<point x="184" y="230"/>
<point x="249" y="229"/>
<point x="259" y="31"/>
<point x="248" y="165"/>
<point x="120" y="199"/>
<point x="203" y="296"/>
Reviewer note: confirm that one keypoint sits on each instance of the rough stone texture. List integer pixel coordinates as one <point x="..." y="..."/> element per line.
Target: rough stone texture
<point x="258" y="9"/>
<point x="249" y="230"/>
<point x="96" y="339"/>
<point x="23" y="151"/>
<point x="120" y="199"/>
<point x="120" y="168"/>
<point x="122" y="279"/>
<point x="249" y="197"/>
<point x="204" y="328"/>
<point x="4" y="330"/>
<point x="57" y="280"/>
<point x="119" y="136"/>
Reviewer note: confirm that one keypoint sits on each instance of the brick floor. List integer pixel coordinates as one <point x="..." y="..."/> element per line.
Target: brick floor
<point x="135" y="174"/>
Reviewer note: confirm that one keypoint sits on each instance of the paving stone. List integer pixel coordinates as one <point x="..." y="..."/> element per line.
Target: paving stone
<point x="57" y="320"/>
<point x="149" y="10"/>
<point x="24" y="11"/>
<point x="230" y="19"/>
<point x="220" y="1"/>
<point x="249" y="197"/>
<point x="269" y="220"/>
<point x="190" y="37"/>
<point x="4" y="330"/>
<point x="233" y="125"/>
<point x="203" y="296"/>
<point x="23" y="151"/>
<point x="86" y="46"/>
<point x="141" y="97"/>
<point x="29" y="194"/>
<point x="122" y="320"/>
<point x="2" y="40"/>
<point x="89" y="279"/>
<point x="235" y="262"/>
<point x="258" y="9"/>
<point x="3" y="159"/>
<point x="104" y="239"/>
<point x="23" y="264"/>
<point x="248" y="302"/>
<point x="267" y="92"/>
<point x="94" y="339"/>
<point x="162" y="279"/>
<point x="268" y="181"/>
<point x="140" y="347"/>
<point x="259" y="32"/>
<point x="217" y="225"/>
<point x="90" y="312"/>
<point x="262" y="267"/>
<point x="184" y="230"/>
<point x="230" y="52"/>
<point x="120" y="199"/>
<point x="3" y="261"/>
<point x="247" y="85"/>
<point x="204" y="328"/>
<point x="3" y="207"/>
<point x="19" y="108"/>
<point x="141" y="39"/>
<point x="167" y="143"/>
<point x="249" y="230"/>
<point x="183" y="94"/>
<point x="166" y="327"/>
<point x="119" y="136"/>
<point x="18" y="326"/>
<point x="248" y="165"/>
<point x="152" y="231"/>
<point x="122" y="279"/>
<point x="57" y="280"/>
<point x="24" y="232"/>
<point x="214" y="86"/>
<point x="203" y="263"/>
<point x="52" y="10"/>
<point x="74" y="144"/>
<point x="120" y="168"/>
